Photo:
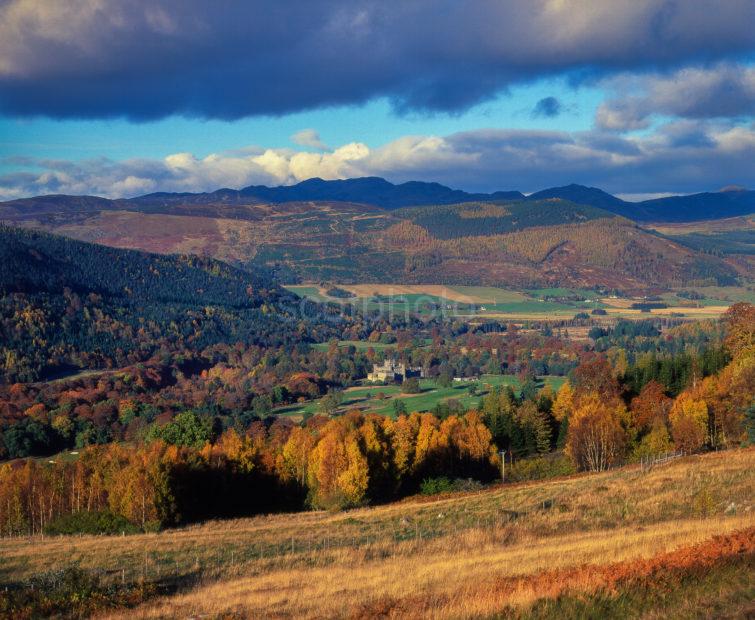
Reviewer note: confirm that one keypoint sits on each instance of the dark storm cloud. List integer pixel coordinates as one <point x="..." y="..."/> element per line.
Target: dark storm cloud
<point x="147" y="59"/>
<point x="548" y="107"/>
<point x="721" y="91"/>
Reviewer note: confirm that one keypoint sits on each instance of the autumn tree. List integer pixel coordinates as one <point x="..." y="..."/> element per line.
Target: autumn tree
<point x="650" y="406"/>
<point x="563" y="405"/>
<point x="689" y="423"/>
<point x="596" y="438"/>
<point x="740" y="329"/>
<point x="656" y="441"/>
<point x="596" y="376"/>
<point x="337" y="469"/>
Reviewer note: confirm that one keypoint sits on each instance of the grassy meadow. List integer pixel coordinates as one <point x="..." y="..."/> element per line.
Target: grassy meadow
<point x="380" y="399"/>
<point x="591" y="545"/>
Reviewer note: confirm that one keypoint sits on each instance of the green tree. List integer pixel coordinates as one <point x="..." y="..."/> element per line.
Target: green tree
<point x="750" y="423"/>
<point x="331" y="401"/>
<point x="186" y="429"/>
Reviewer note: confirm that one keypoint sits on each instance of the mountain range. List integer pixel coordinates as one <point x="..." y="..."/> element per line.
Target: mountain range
<point x="370" y="230"/>
<point x="385" y="195"/>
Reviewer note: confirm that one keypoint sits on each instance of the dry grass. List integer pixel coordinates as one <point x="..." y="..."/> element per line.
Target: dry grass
<point x="444" y="579"/>
<point x="424" y="555"/>
<point x="435" y="290"/>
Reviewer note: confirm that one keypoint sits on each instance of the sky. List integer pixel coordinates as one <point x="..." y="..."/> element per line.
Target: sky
<point x="642" y="98"/>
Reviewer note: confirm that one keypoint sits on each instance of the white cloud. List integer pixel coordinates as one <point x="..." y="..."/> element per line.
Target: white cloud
<point x="684" y="156"/>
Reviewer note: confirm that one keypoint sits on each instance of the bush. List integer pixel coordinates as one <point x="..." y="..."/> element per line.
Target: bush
<point x="69" y="592"/>
<point x="443" y="484"/>
<point x="540" y="468"/>
<point x="104" y="522"/>
<point x="339" y="293"/>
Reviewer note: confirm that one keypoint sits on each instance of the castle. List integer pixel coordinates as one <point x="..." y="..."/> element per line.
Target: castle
<point x="392" y="371"/>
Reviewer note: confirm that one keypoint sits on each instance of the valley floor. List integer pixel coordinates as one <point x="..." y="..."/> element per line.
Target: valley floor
<point x="672" y="541"/>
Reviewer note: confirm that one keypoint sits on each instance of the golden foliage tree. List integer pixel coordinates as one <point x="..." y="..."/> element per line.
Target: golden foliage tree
<point x="689" y="423"/>
<point x="596" y="438"/>
<point x="564" y="403"/>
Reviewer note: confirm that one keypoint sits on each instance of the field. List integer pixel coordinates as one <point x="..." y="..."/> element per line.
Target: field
<point x="519" y="306"/>
<point x="463" y="301"/>
<point x="380" y="399"/>
<point x="677" y="541"/>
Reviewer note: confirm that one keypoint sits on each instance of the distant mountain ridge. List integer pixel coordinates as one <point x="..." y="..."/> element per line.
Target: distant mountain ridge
<point x="364" y="190"/>
<point x="383" y="194"/>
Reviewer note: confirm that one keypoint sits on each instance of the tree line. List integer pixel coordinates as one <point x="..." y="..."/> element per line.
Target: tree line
<point x="337" y="463"/>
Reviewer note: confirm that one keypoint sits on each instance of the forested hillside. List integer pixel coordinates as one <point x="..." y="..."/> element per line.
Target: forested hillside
<point x="65" y="305"/>
<point x="474" y="219"/>
<point x="522" y="243"/>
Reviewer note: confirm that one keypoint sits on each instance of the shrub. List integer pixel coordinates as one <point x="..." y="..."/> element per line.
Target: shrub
<point x="443" y="484"/>
<point x="68" y="592"/>
<point x="339" y="293"/>
<point x="104" y="522"/>
<point x="540" y="468"/>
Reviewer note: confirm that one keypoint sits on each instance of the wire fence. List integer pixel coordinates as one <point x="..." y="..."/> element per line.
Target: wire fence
<point x="648" y="462"/>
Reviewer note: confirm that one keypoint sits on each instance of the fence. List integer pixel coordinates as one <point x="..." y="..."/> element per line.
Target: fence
<point x="648" y="462"/>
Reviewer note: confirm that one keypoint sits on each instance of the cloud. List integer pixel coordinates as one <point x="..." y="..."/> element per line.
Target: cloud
<point x="682" y="156"/>
<point x="147" y="59"/>
<point x="310" y="138"/>
<point x="548" y="107"/>
<point x="721" y="91"/>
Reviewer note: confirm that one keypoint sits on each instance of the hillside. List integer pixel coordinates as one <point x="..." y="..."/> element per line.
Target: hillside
<point x="524" y="243"/>
<point x="668" y="542"/>
<point x="65" y="304"/>
<point x="354" y="231"/>
<point x="36" y="262"/>
<point x="691" y="208"/>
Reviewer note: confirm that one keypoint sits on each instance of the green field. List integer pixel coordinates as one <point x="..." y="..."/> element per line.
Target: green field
<point x="523" y="305"/>
<point x="310" y="292"/>
<point x="564" y="292"/>
<point x="483" y="300"/>
<point x="491" y="294"/>
<point x="366" y="398"/>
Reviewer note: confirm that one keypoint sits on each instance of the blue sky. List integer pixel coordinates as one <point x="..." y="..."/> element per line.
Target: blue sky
<point x="639" y="97"/>
<point x="373" y="123"/>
